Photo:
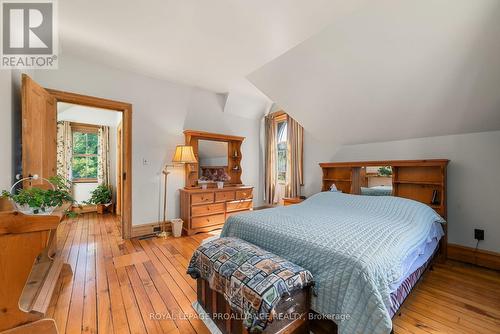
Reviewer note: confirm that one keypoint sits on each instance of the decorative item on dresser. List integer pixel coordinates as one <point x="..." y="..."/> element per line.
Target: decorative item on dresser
<point x="420" y="180"/>
<point x="207" y="209"/>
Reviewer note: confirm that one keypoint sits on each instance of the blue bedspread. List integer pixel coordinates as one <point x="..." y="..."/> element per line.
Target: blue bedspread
<point x="354" y="246"/>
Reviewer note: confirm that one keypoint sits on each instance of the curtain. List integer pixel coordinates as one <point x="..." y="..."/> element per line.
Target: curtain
<point x="295" y="167"/>
<point x="103" y="161"/>
<point x="64" y="149"/>
<point x="270" y="178"/>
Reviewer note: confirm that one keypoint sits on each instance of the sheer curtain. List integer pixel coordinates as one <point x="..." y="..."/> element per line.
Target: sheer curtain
<point x="295" y="164"/>
<point x="270" y="177"/>
<point x="64" y="149"/>
<point x="103" y="161"/>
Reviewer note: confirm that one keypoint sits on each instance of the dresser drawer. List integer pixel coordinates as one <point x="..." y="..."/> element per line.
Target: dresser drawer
<point x="244" y="194"/>
<point x="224" y="196"/>
<point x="205" y="221"/>
<point x="208" y="209"/>
<point x="202" y="198"/>
<point x="239" y="205"/>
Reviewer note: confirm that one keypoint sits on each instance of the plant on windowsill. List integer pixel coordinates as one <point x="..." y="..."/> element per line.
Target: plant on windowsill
<point x="101" y="197"/>
<point x="39" y="201"/>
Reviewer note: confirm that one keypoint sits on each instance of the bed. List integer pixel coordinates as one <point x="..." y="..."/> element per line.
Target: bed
<point x="364" y="252"/>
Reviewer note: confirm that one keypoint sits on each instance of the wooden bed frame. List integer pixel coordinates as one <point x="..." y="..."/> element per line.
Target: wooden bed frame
<point x="413" y="179"/>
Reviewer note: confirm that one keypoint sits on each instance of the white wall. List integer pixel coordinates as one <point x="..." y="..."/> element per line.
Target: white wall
<point x="473" y="178"/>
<point x="315" y="151"/>
<point x="5" y="130"/>
<point x="81" y="191"/>
<point x="161" y="111"/>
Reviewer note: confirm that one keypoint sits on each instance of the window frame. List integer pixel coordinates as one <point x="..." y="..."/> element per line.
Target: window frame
<point x="280" y="118"/>
<point x="84" y="128"/>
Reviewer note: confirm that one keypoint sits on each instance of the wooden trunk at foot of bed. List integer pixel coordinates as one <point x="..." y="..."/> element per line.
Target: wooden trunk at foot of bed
<point x="294" y="310"/>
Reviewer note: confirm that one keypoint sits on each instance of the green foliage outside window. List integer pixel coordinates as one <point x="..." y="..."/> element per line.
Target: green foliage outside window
<point x="282" y="151"/>
<point x="85" y="155"/>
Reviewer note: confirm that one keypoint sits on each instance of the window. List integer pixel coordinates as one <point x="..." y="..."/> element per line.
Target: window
<point x="282" y="149"/>
<point x="85" y="154"/>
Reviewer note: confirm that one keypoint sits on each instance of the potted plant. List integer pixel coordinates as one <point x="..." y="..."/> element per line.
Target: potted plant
<point x="385" y="171"/>
<point x="39" y="201"/>
<point x="101" y="197"/>
<point x="220" y="176"/>
<point x="203" y="181"/>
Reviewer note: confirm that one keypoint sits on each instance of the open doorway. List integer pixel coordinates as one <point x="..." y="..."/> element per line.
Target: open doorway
<point x="39" y="137"/>
<point x="89" y="155"/>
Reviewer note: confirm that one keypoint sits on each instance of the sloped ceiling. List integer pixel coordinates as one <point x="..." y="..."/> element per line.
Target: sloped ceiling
<point x="394" y="70"/>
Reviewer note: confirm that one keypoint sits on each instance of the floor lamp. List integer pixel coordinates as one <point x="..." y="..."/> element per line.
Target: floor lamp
<point x="184" y="154"/>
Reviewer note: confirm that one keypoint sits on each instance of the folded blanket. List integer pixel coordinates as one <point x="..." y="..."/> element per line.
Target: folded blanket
<point x="251" y="279"/>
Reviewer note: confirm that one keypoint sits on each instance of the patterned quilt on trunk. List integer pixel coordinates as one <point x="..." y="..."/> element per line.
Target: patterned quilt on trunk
<point x="251" y="279"/>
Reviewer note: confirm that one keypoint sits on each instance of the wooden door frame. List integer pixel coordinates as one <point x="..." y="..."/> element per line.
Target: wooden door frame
<point x="126" y="110"/>
<point x="119" y="170"/>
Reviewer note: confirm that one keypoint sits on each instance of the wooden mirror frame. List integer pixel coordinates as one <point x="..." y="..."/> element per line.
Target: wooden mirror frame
<point x="234" y="155"/>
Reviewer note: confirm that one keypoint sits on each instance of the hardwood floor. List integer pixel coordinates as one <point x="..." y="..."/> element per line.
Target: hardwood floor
<point x="141" y="286"/>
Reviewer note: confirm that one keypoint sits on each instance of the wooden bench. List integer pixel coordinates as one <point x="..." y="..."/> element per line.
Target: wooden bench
<point x="30" y="269"/>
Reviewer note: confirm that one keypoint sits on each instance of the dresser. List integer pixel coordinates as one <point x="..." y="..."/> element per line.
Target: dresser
<point x="204" y="210"/>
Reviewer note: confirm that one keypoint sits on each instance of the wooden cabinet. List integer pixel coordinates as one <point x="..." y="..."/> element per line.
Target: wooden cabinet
<point x="204" y="210"/>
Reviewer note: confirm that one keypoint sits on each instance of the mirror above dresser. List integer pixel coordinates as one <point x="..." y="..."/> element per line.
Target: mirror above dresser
<point x="215" y="153"/>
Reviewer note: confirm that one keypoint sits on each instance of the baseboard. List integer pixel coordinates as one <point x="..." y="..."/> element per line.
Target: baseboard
<point x="147" y="229"/>
<point x="478" y="257"/>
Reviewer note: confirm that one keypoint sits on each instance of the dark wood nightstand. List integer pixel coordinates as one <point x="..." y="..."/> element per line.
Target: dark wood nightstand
<point x="292" y="200"/>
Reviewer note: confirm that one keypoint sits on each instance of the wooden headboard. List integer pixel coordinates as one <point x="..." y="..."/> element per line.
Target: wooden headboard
<point x="413" y="179"/>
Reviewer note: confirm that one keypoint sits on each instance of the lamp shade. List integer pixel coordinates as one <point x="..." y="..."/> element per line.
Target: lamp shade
<point x="184" y="154"/>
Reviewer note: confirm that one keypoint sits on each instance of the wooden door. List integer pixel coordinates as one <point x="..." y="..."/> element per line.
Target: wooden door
<point x="39" y="131"/>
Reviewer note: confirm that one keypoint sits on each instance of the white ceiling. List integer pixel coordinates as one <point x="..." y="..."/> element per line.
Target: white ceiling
<point x="210" y="44"/>
<point x="394" y="70"/>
